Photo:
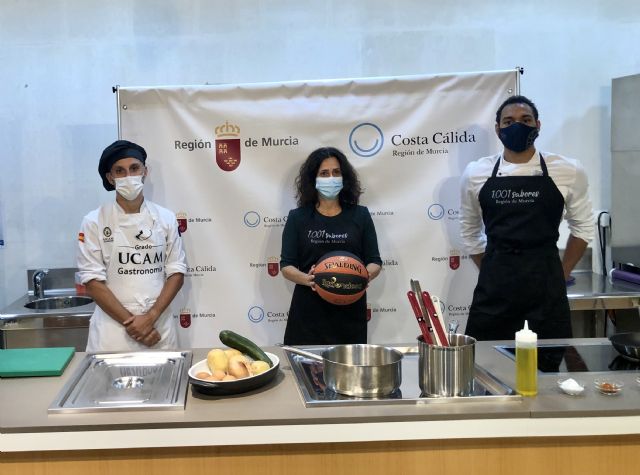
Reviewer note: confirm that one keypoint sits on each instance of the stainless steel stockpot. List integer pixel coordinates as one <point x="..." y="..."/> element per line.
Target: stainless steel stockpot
<point x="359" y="370"/>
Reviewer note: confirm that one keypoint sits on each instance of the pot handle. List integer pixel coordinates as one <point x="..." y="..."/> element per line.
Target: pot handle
<point x="298" y="351"/>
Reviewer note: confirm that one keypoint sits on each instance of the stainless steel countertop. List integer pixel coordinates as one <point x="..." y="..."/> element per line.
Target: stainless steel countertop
<point x="597" y="292"/>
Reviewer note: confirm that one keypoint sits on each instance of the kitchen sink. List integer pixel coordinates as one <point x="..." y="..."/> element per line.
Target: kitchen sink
<point x="134" y="381"/>
<point x="57" y="303"/>
<point x="60" y="318"/>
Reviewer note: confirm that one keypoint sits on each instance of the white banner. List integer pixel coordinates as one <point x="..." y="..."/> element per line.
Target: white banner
<point x="224" y="158"/>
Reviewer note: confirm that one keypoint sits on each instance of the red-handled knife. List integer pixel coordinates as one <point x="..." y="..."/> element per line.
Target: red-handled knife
<point x="424" y="328"/>
<point x="441" y="337"/>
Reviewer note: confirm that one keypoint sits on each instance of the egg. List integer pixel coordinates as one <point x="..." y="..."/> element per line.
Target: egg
<point x="229" y="377"/>
<point x="219" y="374"/>
<point x="202" y="375"/>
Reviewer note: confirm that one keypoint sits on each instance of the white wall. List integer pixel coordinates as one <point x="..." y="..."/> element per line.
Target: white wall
<point x="59" y="60"/>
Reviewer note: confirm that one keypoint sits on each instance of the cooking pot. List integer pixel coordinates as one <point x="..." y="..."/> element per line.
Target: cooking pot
<point x="627" y="344"/>
<point x="358" y="370"/>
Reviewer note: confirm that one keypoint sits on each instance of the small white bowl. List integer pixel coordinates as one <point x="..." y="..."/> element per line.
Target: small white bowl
<point x="567" y="387"/>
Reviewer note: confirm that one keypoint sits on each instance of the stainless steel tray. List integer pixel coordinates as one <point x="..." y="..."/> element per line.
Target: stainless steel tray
<point x="146" y="380"/>
<point x="308" y="374"/>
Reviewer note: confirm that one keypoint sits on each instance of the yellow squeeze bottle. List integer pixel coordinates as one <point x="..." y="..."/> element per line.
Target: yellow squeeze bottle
<point x="526" y="362"/>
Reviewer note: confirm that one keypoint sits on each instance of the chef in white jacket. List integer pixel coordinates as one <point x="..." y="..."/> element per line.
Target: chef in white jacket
<point x="130" y="258"/>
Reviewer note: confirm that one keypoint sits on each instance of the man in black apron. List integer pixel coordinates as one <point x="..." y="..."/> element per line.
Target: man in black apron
<point x="521" y="275"/>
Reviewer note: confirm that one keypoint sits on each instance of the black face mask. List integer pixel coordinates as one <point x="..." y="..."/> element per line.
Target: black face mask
<point x="518" y="136"/>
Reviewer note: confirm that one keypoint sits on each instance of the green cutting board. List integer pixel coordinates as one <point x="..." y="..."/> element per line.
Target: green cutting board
<point x="34" y="361"/>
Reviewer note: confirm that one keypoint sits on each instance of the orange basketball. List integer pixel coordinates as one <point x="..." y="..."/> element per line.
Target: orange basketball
<point x="341" y="278"/>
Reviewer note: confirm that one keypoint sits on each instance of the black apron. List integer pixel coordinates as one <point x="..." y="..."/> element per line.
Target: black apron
<point x="312" y="320"/>
<point x="521" y="276"/>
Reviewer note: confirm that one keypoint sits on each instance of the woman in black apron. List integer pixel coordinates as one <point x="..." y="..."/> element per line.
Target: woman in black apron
<point x="328" y="219"/>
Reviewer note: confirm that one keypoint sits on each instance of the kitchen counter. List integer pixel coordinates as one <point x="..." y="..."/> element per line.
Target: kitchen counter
<point x="271" y="428"/>
<point x="597" y="292"/>
<point x="592" y="295"/>
<point x="278" y="410"/>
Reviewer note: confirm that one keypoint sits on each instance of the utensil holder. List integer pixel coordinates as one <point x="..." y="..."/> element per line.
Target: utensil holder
<point x="447" y="371"/>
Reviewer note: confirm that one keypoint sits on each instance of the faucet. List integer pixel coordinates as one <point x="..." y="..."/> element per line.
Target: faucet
<point x="38" y="283"/>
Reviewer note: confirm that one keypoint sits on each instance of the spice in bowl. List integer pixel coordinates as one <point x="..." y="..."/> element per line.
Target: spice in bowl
<point x="608" y="388"/>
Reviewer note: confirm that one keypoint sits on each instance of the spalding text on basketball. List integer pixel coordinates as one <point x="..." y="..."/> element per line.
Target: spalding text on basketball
<point x="346" y="265"/>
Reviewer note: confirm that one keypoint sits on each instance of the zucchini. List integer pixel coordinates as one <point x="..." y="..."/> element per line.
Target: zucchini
<point x="244" y="345"/>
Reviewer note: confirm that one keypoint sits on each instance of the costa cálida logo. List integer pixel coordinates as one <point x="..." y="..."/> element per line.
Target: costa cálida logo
<point x="273" y="266"/>
<point x="182" y="222"/>
<point x="228" y="147"/>
<point x="185" y="318"/>
<point x="454" y="259"/>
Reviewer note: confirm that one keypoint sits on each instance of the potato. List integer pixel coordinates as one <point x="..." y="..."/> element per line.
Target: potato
<point x="258" y="367"/>
<point x="229" y="377"/>
<point x="202" y="375"/>
<point x="216" y="359"/>
<point x="238" y="367"/>
<point x="232" y="351"/>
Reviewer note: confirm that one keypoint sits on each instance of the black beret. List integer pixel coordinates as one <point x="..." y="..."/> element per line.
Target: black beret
<point x="114" y="152"/>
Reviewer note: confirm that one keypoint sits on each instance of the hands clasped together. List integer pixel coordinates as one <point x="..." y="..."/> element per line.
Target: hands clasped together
<point x="141" y="329"/>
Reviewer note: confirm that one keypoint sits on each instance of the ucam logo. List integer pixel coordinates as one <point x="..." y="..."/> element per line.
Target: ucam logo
<point x="366" y="139"/>
<point x="251" y="219"/>
<point x="255" y="314"/>
<point x="436" y="211"/>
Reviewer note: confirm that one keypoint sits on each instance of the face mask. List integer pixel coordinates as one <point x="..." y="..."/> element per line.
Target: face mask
<point x="129" y="187"/>
<point x="518" y="136"/>
<point x="329" y="187"/>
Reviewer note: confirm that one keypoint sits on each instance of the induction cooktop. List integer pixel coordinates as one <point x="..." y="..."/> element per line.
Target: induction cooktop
<point x="561" y="358"/>
<point x="309" y="375"/>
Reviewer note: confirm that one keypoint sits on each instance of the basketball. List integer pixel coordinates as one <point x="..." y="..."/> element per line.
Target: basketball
<point x="341" y="278"/>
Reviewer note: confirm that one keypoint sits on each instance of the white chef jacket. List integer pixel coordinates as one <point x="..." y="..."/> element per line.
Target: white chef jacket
<point x="567" y="174"/>
<point x="95" y="246"/>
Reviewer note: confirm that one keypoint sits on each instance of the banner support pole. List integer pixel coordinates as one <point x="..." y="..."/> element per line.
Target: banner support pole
<point x="519" y="72"/>
<point x="116" y="90"/>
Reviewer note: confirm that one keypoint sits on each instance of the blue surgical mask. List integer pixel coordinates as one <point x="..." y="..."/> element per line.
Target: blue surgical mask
<point x="329" y="187"/>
